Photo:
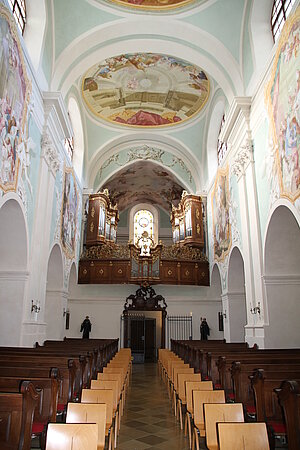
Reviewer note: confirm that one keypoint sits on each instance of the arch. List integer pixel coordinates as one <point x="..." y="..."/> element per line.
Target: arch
<point x="215" y="282"/>
<point x="55" y="295"/>
<point x="172" y="40"/>
<point x="78" y="152"/>
<point x="212" y="137"/>
<point x="13" y="269"/>
<point x="282" y="278"/>
<point x="35" y="30"/>
<point x="236" y="297"/>
<point x="72" y="280"/>
<point x="261" y="38"/>
<point x="129" y="141"/>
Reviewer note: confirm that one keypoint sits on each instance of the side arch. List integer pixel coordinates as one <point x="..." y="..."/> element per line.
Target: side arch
<point x="236" y="297"/>
<point x="282" y="278"/>
<point x="55" y="295"/>
<point x="13" y="269"/>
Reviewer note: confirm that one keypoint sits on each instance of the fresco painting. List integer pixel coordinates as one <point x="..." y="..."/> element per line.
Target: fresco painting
<point x="142" y="182"/>
<point x="69" y="213"/>
<point x="154" y="4"/>
<point x="221" y="214"/>
<point x="283" y="102"/>
<point x="14" y="95"/>
<point x="145" y="89"/>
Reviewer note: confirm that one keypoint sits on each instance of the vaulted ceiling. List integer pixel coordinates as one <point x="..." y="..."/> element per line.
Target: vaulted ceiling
<point x="157" y="73"/>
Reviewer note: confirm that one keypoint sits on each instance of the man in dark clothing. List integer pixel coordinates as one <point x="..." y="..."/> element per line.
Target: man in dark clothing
<point x="204" y="329"/>
<point x="86" y="327"/>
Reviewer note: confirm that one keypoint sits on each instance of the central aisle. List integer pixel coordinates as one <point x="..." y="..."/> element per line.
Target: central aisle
<point x="148" y="422"/>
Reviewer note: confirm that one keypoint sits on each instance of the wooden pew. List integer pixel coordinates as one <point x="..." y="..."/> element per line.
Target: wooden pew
<point x="16" y="416"/>
<point x="81" y="436"/>
<point x="289" y="399"/>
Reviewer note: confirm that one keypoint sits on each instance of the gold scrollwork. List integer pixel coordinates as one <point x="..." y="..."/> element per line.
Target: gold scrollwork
<point x="92" y="227"/>
<point x="198" y="228"/>
<point x="187" y="273"/>
<point x="101" y="272"/>
<point x="170" y="272"/>
<point x="120" y="271"/>
<point x="84" y="271"/>
<point x="197" y="213"/>
<point x="93" y="212"/>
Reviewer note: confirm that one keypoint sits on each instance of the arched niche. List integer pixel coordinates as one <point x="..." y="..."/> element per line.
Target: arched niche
<point x="13" y="271"/>
<point x="212" y="138"/>
<point x="282" y="279"/>
<point x="215" y="283"/>
<point x="55" y="295"/>
<point x="78" y="152"/>
<point x="236" y="297"/>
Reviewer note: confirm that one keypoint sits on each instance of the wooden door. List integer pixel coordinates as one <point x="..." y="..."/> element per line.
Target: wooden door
<point x="150" y="340"/>
<point x="137" y="339"/>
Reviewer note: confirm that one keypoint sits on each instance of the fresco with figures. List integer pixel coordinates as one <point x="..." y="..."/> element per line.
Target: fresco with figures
<point x="14" y="97"/>
<point x="69" y="213"/>
<point x="154" y="4"/>
<point x="283" y="102"/>
<point x="221" y="215"/>
<point x="145" y="89"/>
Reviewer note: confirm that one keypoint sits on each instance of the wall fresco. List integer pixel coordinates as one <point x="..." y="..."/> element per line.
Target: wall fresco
<point x="283" y="102"/>
<point x="221" y="215"/>
<point x="145" y="89"/>
<point x="15" y="88"/>
<point x="69" y="213"/>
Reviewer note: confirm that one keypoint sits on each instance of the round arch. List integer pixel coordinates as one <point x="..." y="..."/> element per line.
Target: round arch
<point x="236" y="297"/>
<point x="128" y="141"/>
<point x="13" y="269"/>
<point x="172" y="40"/>
<point x="55" y="295"/>
<point x="282" y="278"/>
<point x="153" y="211"/>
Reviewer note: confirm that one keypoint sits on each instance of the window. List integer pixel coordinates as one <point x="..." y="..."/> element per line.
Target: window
<point x="280" y="12"/>
<point x="222" y="146"/>
<point x="143" y="231"/>
<point x="18" y="8"/>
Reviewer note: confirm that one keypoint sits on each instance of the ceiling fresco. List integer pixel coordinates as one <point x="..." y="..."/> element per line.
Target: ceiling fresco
<point x="144" y="182"/>
<point x="153" y="4"/>
<point x="145" y="89"/>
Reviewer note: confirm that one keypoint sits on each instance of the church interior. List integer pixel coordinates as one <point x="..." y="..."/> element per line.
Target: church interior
<point x="150" y="178"/>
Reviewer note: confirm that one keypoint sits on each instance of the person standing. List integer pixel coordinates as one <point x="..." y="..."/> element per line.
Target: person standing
<point x="86" y="327"/>
<point x="204" y="329"/>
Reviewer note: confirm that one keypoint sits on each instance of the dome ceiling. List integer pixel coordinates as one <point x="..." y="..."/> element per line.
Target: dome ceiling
<point x="144" y="182"/>
<point x="145" y="89"/>
<point x="153" y="4"/>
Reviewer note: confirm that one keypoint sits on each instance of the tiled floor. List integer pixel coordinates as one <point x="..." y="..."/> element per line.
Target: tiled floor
<point x="148" y="422"/>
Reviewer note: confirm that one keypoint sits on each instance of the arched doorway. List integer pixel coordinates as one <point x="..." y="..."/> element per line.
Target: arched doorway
<point x="215" y="294"/>
<point x="282" y="278"/>
<point x="143" y="324"/>
<point x="55" y="296"/>
<point x="236" y="298"/>
<point x="13" y="271"/>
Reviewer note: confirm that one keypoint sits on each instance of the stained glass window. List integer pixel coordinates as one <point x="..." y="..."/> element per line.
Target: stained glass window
<point x="143" y="230"/>
<point x="280" y="12"/>
<point x="18" y="8"/>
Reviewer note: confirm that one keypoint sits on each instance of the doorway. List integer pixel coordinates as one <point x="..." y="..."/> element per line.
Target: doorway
<point x="142" y="338"/>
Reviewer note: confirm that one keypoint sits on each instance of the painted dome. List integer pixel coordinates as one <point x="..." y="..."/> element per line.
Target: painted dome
<point x="153" y="4"/>
<point x="145" y="89"/>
